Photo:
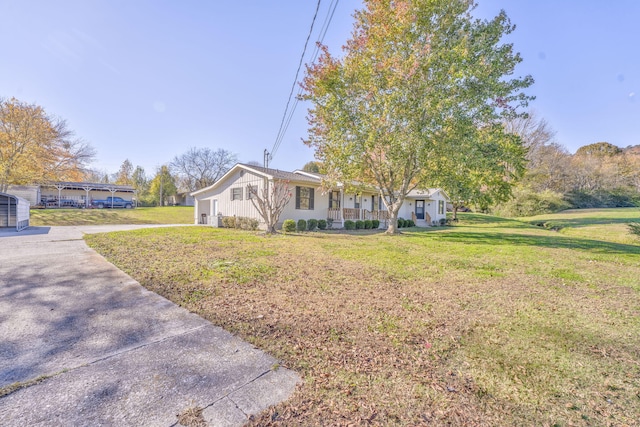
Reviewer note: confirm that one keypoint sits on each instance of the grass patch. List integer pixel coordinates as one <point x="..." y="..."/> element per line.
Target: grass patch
<point x="157" y="215"/>
<point x="490" y="322"/>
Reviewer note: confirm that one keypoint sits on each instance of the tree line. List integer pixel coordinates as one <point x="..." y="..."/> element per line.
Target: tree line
<point x="36" y="148"/>
<point x="597" y="175"/>
<point x="195" y="169"/>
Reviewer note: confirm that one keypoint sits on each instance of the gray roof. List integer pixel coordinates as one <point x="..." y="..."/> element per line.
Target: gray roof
<point x="92" y="185"/>
<point x="283" y="175"/>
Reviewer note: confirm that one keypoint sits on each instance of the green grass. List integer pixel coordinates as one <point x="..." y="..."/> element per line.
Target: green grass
<point x="490" y="322"/>
<point x="156" y="215"/>
<point x="607" y="224"/>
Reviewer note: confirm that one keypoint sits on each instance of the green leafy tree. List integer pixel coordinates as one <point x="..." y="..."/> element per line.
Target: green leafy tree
<point x="415" y="75"/>
<point x="140" y="183"/>
<point x="312" y="166"/>
<point x="124" y="176"/>
<point x="482" y="168"/>
<point x="162" y="186"/>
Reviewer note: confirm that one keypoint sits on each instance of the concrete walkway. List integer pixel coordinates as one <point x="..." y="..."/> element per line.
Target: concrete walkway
<point x="110" y="352"/>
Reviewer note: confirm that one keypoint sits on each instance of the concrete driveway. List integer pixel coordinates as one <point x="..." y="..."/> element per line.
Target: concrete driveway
<point x="109" y="352"/>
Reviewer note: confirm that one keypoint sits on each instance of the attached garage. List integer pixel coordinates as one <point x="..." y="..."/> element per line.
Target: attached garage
<point x="14" y="212"/>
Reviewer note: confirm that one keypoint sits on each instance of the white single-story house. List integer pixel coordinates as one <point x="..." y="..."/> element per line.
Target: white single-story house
<point x="229" y="197"/>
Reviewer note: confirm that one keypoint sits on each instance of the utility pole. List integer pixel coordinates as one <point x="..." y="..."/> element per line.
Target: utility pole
<point x="267" y="157"/>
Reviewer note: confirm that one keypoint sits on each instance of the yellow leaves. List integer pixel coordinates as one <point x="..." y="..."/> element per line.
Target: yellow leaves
<point x="34" y="147"/>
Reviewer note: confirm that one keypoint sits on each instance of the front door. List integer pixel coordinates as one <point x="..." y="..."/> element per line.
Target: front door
<point x="419" y="209"/>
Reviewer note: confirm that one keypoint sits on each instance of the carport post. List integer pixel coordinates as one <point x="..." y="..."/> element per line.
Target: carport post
<point x="60" y="187"/>
<point x="113" y="191"/>
<point x="86" y="188"/>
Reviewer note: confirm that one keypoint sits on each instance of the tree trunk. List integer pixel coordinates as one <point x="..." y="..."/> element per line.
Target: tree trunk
<point x="393" y="219"/>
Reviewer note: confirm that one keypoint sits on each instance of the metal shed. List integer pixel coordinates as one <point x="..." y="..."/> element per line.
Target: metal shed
<point x="14" y="212"/>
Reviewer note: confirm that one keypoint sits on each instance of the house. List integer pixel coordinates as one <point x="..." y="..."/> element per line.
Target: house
<point x="229" y="197"/>
<point x="69" y="194"/>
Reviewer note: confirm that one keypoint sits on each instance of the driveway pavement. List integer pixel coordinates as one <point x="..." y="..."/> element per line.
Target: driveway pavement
<point x="108" y="351"/>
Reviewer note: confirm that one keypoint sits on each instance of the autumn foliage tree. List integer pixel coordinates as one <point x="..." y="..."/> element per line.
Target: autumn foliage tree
<point x="415" y="75"/>
<point x="36" y="147"/>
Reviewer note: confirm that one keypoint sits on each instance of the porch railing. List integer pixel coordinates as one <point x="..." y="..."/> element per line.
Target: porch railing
<point x="351" y="213"/>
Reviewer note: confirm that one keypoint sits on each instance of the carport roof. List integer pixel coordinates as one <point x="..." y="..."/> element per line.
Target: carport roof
<point x="92" y="185"/>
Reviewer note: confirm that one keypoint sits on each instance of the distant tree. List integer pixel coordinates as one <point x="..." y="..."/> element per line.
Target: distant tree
<point x="36" y="147"/>
<point x="600" y="149"/>
<point x="312" y="166"/>
<point x="270" y="201"/>
<point x="140" y="183"/>
<point x="201" y="167"/>
<point x="254" y="163"/>
<point x="162" y="185"/>
<point x="413" y="75"/>
<point x="535" y="133"/>
<point x="482" y="169"/>
<point x="97" y="176"/>
<point x="124" y="176"/>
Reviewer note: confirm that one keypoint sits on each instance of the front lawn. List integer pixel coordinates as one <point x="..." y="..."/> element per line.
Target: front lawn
<point x="490" y="322"/>
<point x="155" y="215"/>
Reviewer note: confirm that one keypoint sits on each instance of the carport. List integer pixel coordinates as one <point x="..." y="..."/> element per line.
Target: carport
<point x="14" y="212"/>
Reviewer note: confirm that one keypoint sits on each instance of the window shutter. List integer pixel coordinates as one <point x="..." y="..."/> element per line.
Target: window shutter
<point x="297" y="197"/>
<point x="311" y="191"/>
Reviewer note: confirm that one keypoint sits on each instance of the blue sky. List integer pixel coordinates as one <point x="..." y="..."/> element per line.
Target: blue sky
<point x="146" y="80"/>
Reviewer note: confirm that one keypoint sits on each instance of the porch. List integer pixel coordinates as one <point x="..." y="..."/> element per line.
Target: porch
<point x="340" y="215"/>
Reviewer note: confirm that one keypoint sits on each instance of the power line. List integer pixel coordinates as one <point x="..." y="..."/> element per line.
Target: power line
<point x="323" y="32"/>
<point x="295" y="80"/>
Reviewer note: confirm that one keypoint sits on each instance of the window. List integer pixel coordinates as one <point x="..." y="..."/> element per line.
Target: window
<point x="334" y="200"/>
<point x="252" y="190"/>
<point x="357" y="201"/>
<point x="236" y="193"/>
<point x="441" y="207"/>
<point x="304" y="198"/>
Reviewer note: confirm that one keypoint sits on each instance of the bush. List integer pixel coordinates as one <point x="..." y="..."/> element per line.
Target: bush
<point x="349" y="225"/>
<point x="245" y="223"/>
<point x="367" y="224"/>
<point x="409" y="223"/>
<point x="401" y="222"/>
<point x="527" y="202"/>
<point x="322" y="224"/>
<point x="443" y="221"/>
<point x="240" y="222"/>
<point x="375" y="224"/>
<point x="289" y="226"/>
<point x="312" y="224"/>
<point x="634" y="228"/>
<point x="302" y="225"/>
<point x="359" y="224"/>
<point x="229" y="221"/>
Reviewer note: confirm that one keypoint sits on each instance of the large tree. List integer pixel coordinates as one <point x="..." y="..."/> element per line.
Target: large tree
<point x="201" y="167"/>
<point x="36" y="147"/>
<point x="162" y="185"/>
<point x="124" y="176"/>
<point x="414" y="75"/>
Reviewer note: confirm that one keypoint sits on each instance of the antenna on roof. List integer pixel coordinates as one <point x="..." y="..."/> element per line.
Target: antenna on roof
<point x="267" y="157"/>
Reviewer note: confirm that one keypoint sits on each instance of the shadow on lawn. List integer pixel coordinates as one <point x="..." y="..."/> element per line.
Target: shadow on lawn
<point x="583" y="222"/>
<point x="550" y="241"/>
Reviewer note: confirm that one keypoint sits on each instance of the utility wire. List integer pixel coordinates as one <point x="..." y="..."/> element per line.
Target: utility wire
<point x="284" y="125"/>
<point x="295" y="80"/>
